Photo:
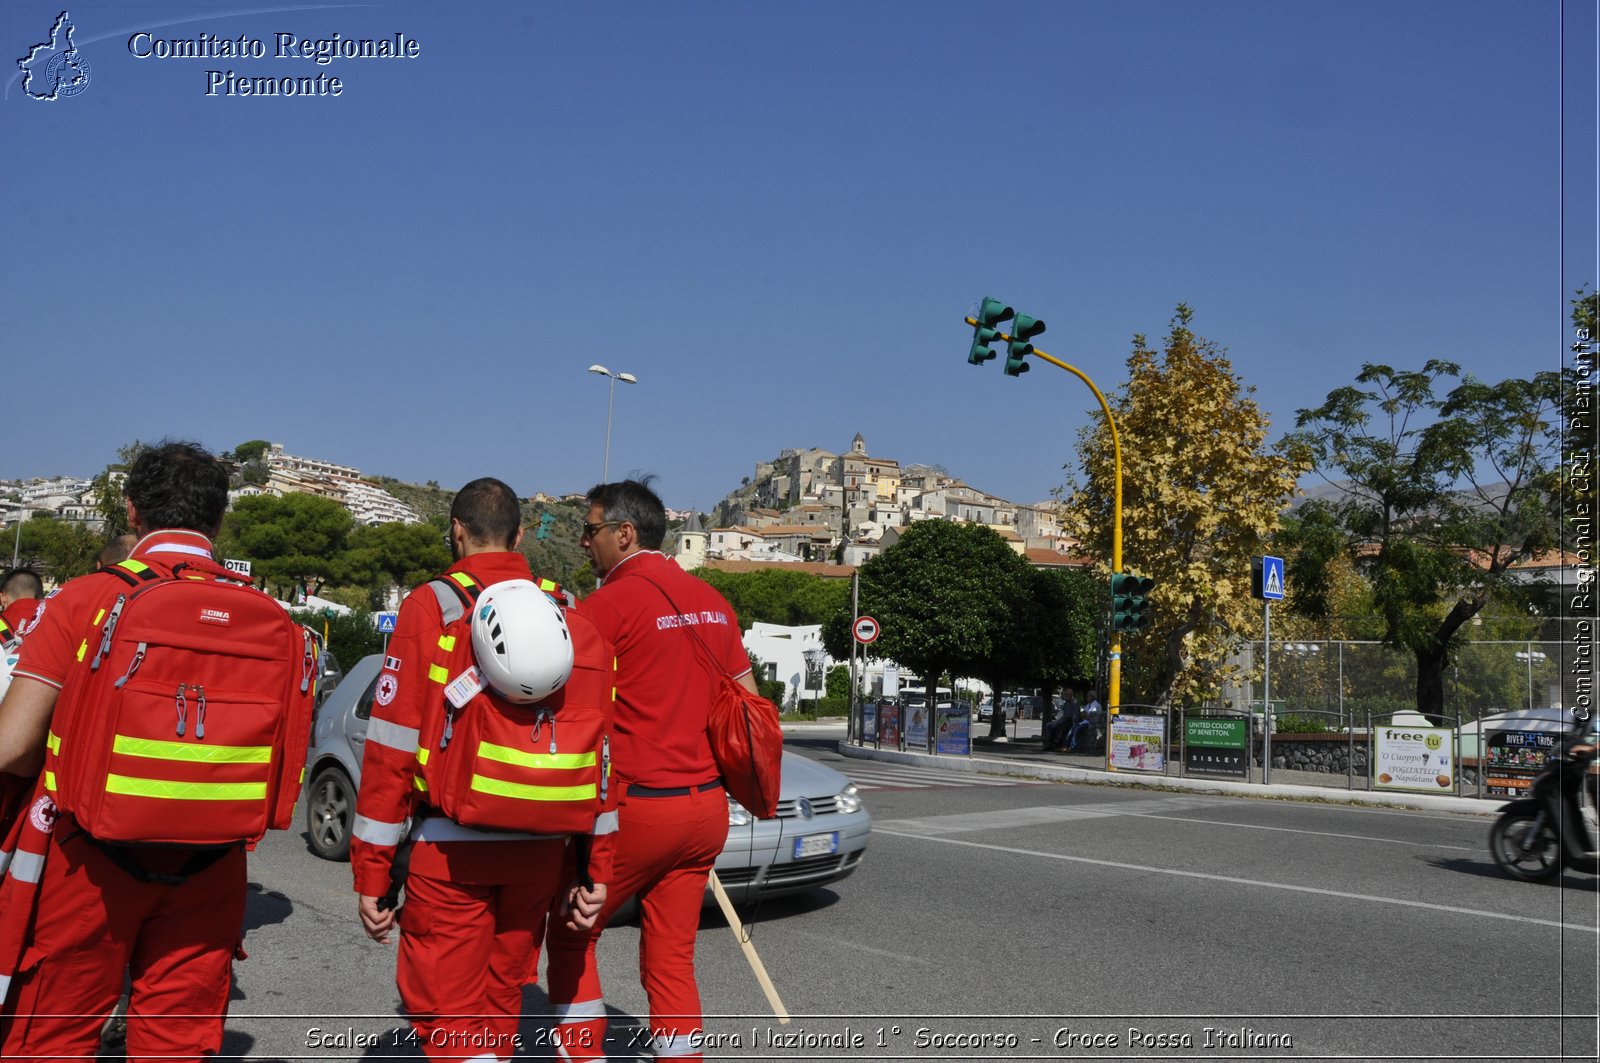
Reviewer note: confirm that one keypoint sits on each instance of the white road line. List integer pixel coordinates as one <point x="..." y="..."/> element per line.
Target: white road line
<point x="1027" y="817"/>
<point x="1233" y="880"/>
<point x="915" y="776"/>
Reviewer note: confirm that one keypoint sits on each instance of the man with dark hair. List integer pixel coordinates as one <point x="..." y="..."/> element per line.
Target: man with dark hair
<point x="89" y="912"/>
<point x="475" y="899"/>
<point x="116" y="550"/>
<point x="487" y="509"/>
<point x="674" y="635"/>
<point x="20" y="592"/>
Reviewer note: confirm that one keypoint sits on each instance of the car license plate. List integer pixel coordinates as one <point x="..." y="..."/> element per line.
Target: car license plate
<point x="816" y="845"/>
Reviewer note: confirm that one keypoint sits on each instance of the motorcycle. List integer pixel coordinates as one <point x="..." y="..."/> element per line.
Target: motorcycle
<point x="1535" y="837"/>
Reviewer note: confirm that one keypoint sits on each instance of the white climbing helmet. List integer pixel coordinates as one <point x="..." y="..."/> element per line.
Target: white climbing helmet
<point x="520" y="640"/>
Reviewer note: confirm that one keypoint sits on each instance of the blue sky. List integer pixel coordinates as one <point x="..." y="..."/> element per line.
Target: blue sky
<point x="775" y="216"/>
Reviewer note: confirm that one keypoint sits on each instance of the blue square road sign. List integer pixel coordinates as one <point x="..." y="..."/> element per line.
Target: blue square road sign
<point x="1272" y="579"/>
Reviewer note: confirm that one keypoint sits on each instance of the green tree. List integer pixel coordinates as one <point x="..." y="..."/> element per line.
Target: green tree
<point x="1202" y="493"/>
<point x="778" y="596"/>
<point x="293" y="540"/>
<point x="351" y="636"/>
<point x="107" y="488"/>
<point x="1063" y="608"/>
<point x="60" y="548"/>
<point x="1440" y="497"/>
<point x="251" y="450"/>
<point x="381" y="556"/>
<point x="946" y="597"/>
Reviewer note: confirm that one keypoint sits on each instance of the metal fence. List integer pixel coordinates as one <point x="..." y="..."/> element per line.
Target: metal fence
<point x="1338" y="682"/>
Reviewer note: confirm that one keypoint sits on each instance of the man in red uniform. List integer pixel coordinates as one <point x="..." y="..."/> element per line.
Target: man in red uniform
<point x="476" y="900"/>
<point x="667" y="627"/>
<point x="87" y="918"/>
<point x="20" y="592"/>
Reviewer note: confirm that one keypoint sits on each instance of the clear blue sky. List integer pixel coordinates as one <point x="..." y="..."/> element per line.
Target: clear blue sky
<point x="774" y="215"/>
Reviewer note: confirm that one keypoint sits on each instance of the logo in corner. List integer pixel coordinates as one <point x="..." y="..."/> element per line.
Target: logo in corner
<point x="55" y="69"/>
<point x="43" y="814"/>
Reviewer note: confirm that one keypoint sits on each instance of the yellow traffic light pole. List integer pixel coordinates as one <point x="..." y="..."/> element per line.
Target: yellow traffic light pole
<point x="1114" y="676"/>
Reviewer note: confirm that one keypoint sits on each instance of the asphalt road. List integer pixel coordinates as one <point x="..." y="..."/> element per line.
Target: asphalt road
<point x="1012" y="919"/>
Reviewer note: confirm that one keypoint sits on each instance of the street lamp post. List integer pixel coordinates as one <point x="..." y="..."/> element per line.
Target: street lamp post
<point x="626" y="378"/>
<point x="814" y="677"/>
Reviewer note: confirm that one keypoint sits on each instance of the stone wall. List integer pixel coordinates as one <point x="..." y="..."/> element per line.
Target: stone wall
<point x="1331" y="754"/>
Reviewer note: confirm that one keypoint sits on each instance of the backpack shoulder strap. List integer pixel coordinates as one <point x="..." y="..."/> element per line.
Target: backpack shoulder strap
<point x="133" y="573"/>
<point x="457" y="592"/>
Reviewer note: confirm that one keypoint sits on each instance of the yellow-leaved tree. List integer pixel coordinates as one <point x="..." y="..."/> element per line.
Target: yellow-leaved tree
<point x="1202" y="493"/>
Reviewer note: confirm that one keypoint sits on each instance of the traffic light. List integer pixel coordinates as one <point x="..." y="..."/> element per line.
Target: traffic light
<point x="991" y="314"/>
<point x="1129" y="597"/>
<point x="1023" y="329"/>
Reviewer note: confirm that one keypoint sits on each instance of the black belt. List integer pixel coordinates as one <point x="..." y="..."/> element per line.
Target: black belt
<point x="635" y="790"/>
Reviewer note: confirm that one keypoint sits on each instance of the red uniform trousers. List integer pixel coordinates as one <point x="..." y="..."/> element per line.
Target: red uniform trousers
<point x="466" y="951"/>
<point x="665" y="848"/>
<point x="95" y="920"/>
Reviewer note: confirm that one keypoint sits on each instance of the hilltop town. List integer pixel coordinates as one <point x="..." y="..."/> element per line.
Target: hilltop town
<point x="809" y="506"/>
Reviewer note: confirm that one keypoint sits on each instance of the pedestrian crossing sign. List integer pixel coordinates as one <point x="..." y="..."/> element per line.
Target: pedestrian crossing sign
<point x="386" y="623"/>
<point x="1267" y="578"/>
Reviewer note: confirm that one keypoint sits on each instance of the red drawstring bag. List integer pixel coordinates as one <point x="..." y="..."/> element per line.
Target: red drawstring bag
<point x="746" y="737"/>
<point x="747" y="742"/>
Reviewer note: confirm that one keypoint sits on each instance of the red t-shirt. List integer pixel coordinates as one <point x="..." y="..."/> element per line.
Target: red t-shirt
<point x="665" y="682"/>
<point x="68" y="615"/>
<point x="20" y="613"/>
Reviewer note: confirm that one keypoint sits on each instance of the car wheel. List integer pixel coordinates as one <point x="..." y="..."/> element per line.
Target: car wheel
<point x="1525" y="846"/>
<point x="330" y="809"/>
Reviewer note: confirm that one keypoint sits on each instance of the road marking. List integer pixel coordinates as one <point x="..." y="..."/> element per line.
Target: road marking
<point x="1236" y="881"/>
<point x="902" y="957"/>
<point x="889" y="777"/>
<point x="1029" y="817"/>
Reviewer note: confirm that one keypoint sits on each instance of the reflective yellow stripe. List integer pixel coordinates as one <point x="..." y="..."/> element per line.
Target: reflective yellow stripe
<point x="463" y="579"/>
<point x="437" y="674"/>
<point x="50" y="781"/>
<point x="83" y="650"/>
<point x="101" y="615"/>
<point x="53" y="740"/>
<point x="174" y="790"/>
<point x="195" y="752"/>
<point x="416" y="780"/>
<point x="522" y="758"/>
<point x="422" y="756"/>
<point x="525" y="792"/>
<point x="447" y="643"/>
<point x="133" y="566"/>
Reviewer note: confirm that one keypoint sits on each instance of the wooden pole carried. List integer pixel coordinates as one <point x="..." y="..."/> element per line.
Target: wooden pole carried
<point x="749" y="950"/>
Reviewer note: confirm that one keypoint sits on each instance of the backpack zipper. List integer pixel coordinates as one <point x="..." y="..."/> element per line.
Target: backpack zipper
<point x="105" y="633"/>
<point x="308" y="666"/>
<point x="200" y="714"/>
<point x="183" y="707"/>
<point x="545" y="716"/>
<point x="133" y="666"/>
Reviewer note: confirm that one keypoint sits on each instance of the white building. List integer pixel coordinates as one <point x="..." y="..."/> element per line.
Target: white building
<point x="782" y="651"/>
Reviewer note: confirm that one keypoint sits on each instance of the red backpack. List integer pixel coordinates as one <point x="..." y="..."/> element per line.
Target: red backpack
<point x="495" y="764"/>
<point x="187" y="716"/>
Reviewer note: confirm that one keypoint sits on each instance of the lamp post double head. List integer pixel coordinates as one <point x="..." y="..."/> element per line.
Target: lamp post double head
<point x="626" y="378"/>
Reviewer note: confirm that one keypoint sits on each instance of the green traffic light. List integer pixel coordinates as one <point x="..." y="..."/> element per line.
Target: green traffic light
<point x="980" y="345"/>
<point x="992" y="312"/>
<point x="1129" y="599"/>
<point x="1023" y="329"/>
